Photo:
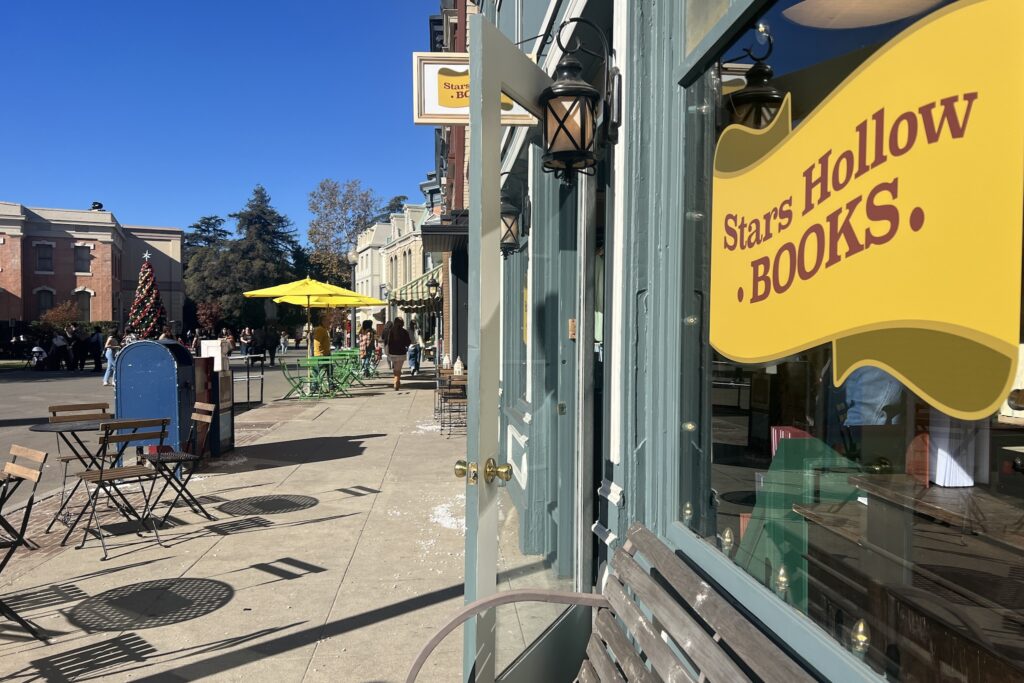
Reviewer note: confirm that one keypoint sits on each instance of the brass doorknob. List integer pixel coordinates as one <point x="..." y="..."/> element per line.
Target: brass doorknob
<point x="466" y="469"/>
<point x="492" y="469"/>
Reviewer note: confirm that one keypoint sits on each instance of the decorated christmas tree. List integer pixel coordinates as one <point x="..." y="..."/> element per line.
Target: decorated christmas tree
<point x="147" y="318"/>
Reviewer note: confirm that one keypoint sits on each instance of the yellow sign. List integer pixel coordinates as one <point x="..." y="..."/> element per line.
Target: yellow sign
<point x="453" y="90"/>
<point x="441" y="92"/>
<point x="889" y="223"/>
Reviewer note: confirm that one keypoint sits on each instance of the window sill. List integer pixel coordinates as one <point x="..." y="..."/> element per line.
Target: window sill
<point x="78" y="274"/>
<point x="44" y="272"/>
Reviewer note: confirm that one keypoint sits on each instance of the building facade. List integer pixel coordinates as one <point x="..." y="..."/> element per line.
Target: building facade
<point x="403" y="255"/>
<point x="370" y="276"/>
<point x="739" y="333"/>
<point x="48" y="256"/>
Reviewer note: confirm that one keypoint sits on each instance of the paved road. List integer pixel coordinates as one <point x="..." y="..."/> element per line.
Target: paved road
<point x="26" y="395"/>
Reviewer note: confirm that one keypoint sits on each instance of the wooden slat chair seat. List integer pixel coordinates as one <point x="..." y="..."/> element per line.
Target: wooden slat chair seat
<point x="76" y="412"/>
<point x="120" y="435"/>
<point x="116" y="473"/>
<point x="25" y="465"/>
<point x="644" y="617"/>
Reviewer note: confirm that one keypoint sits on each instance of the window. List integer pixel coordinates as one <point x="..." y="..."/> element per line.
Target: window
<point x="44" y="258"/>
<point x="44" y="300"/>
<point x="83" y="300"/>
<point x="83" y="259"/>
<point x="891" y="524"/>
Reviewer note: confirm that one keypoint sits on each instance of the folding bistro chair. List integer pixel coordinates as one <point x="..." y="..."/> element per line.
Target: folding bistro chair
<point x="298" y="381"/>
<point x="75" y="412"/>
<point x="107" y="476"/>
<point x="169" y="465"/>
<point x="25" y="465"/>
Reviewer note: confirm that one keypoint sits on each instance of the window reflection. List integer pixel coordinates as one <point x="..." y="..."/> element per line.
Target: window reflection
<point x="896" y="528"/>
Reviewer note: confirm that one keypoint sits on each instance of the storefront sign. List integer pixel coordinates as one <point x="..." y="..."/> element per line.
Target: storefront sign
<point x="889" y="222"/>
<point x="441" y="91"/>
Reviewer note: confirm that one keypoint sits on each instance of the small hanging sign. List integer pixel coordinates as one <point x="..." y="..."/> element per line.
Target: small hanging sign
<point x="440" y="87"/>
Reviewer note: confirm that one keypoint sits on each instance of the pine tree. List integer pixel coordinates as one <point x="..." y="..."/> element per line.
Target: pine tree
<point x="147" y="317"/>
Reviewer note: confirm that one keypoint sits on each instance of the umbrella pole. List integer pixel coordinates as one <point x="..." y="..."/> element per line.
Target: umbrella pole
<point x="309" y="328"/>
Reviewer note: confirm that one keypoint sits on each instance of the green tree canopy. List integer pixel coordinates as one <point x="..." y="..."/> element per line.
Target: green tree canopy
<point x="206" y="233"/>
<point x="220" y="269"/>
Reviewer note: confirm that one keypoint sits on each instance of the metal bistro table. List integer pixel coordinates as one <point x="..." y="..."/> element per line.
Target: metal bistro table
<point x="68" y="433"/>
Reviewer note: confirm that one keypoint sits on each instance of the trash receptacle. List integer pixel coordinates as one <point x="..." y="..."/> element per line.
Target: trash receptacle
<point x="156" y="379"/>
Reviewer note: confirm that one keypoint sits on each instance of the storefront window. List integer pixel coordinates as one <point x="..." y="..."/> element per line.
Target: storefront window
<point x="871" y="478"/>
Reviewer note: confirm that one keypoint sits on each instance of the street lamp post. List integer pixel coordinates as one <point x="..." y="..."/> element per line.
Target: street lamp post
<point x="353" y="259"/>
<point x="432" y="288"/>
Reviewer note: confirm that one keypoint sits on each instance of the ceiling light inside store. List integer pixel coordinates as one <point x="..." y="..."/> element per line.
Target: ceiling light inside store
<point x="843" y="14"/>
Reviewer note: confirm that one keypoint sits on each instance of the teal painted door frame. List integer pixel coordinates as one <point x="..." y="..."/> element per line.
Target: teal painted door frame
<point x="496" y="66"/>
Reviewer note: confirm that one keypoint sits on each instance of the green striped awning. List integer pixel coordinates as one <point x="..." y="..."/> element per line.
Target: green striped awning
<point x="414" y="294"/>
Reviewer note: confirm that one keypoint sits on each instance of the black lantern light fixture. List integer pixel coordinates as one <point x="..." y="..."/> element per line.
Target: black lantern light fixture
<point x="432" y="287"/>
<point x="573" y="109"/>
<point x="515" y="217"/>
<point x="756" y="104"/>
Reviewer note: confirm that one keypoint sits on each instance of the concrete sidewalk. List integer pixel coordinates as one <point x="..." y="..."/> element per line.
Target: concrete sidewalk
<point x="336" y="553"/>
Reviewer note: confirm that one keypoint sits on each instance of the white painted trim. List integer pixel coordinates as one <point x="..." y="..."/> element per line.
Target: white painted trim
<point x="81" y="274"/>
<point x="620" y="44"/>
<point x="76" y="290"/>
<point x="531" y="162"/>
<point x="604" y="534"/>
<point x="611" y="492"/>
<point x="519" y="464"/>
<point x="90" y="245"/>
<point x="44" y="288"/>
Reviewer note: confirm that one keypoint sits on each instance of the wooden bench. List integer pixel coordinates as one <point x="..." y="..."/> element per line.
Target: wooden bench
<point x="637" y="608"/>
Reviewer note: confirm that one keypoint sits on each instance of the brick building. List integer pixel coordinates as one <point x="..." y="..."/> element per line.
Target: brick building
<point x="48" y="256"/>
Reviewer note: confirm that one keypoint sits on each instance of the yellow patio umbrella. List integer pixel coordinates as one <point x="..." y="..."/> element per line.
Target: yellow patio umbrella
<point x="306" y="289"/>
<point x="355" y="301"/>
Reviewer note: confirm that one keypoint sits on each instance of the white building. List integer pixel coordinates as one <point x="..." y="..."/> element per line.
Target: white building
<point x="370" y="266"/>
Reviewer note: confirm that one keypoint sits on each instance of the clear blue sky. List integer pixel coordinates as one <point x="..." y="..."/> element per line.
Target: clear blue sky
<point x="168" y="110"/>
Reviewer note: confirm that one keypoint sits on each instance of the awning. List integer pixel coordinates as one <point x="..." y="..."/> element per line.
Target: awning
<point x="414" y="295"/>
<point x="450" y="234"/>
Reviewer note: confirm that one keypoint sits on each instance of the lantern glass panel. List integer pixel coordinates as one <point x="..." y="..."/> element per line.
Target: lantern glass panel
<point x="510" y="229"/>
<point x="569" y="124"/>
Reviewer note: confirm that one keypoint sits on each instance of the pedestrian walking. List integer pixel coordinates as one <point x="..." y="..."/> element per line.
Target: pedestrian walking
<point x="245" y="341"/>
<point x="110" y="348"/>
<point x="284" y="342"/>
<point x="367" y="346"/>
<point x="385" y="335"/>
<point x="96" y="349"/>
<point x="397" y="346"/>
<point x="271" y="341"/>
<point x="415" y="348"/>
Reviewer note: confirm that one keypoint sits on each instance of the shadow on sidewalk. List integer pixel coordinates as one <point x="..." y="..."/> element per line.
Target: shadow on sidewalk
<point x="295" y="452"/>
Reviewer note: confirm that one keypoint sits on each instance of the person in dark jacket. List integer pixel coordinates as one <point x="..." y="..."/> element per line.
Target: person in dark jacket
<point x="398" y="342"/>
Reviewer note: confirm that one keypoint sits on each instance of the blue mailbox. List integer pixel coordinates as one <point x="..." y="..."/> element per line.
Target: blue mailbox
<point x="156" y="379"/>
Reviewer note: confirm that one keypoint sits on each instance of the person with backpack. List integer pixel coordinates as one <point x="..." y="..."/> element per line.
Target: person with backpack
<point x="398" y="342"/>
